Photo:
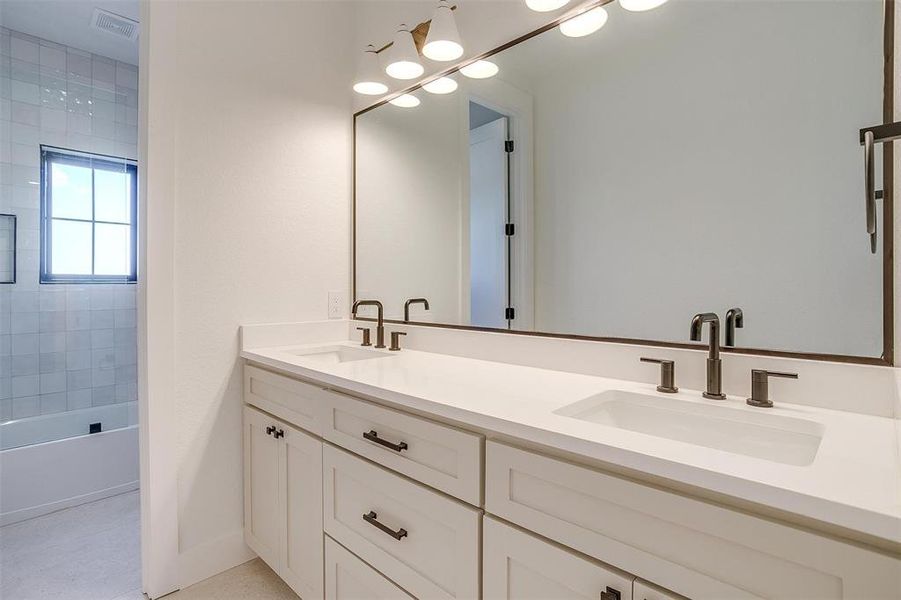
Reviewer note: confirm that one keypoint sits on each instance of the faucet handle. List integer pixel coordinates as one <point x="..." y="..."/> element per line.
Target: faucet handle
<point x="667" y="374"/>
<point x="760" y="386"/>
<point x="365" y="331"/>
<point x="395" y="340"/>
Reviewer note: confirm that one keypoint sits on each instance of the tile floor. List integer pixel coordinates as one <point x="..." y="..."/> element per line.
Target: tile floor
<point x="92" y="552"/>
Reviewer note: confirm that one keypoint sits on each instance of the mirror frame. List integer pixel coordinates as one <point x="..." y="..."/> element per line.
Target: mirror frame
<point x="888" y="283"/>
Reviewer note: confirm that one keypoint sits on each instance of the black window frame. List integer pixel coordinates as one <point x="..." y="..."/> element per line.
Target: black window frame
<point x="51" y="155"/>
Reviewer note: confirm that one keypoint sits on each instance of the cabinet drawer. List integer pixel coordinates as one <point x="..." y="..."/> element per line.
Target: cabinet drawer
<point x="695" y="548"/>
<point x="425" y="542"/>
<point x="349" y="578"/>
<point x="443" y="457"/>
<point x="294" y="401"/>
<point x="518" y="566"/>
<point x="642" y="590"/>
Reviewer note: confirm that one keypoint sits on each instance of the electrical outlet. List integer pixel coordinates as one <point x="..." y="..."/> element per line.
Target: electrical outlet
<point x="336" y="304"/>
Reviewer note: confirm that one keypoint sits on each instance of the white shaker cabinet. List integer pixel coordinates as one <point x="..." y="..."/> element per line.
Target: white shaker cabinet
<point x="349" y="578"/>
<point x="283" y="500"/>
<point x="520" y="566"/>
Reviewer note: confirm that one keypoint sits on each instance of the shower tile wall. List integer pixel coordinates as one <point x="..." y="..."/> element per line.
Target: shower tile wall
<point x="62" y="347"/>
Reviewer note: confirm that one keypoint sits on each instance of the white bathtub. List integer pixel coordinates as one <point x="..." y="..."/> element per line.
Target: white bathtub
<point x="38" y="476"/>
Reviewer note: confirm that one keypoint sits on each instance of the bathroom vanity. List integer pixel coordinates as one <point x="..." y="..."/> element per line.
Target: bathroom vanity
<point x="417" y="473"/>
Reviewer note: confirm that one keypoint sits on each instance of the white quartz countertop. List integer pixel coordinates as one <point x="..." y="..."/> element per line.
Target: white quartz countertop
<point x="854" y="481"/>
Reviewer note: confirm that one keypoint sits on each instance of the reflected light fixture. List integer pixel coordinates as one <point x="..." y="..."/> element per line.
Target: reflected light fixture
<point x="369" y="75"/>
<point x="405" y="101"/>
<point x="546" y="5"/>
<point x="443" y="40"/>
<point x="403" y="59"/>
<point x="442" y="85"/>
<point x="640" y="5"/>
<point x="584" y="24"/>
<point x="480" y="69"/>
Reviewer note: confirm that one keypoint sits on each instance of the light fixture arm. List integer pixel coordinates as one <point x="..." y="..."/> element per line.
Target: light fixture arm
<point x="419" y="33"/>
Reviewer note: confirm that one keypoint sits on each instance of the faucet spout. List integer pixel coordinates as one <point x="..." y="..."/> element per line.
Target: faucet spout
<point x="423" y="301"/>
<point x="380" y="328"/>
<point x="714" y="363"/>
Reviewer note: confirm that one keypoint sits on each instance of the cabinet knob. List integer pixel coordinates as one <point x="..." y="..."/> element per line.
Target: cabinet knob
<point x="270" y="430"/>
<point x="279" y="433"/>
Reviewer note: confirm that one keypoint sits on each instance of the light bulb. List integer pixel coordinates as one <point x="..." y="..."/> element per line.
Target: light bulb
<point x="405" y="101"/>
<point x="369" y="76"/>
<point x="403" y="60"/>
<point x="546" y="5"/>
<point x="640" y="5"/>
<point x="443" y="41"/>
<point x="442" y="85"/>
<point x="584" y="24"/>
<point x="481" y="69"/>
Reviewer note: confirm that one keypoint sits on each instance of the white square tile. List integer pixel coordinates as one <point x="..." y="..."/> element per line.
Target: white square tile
<point x="53" y="342"/>
<point x="103" y="358"/>
<point x="22" y="133"/>
<point x="22" y="48"/>
<point x="78" y="360"/>
<point x="78" y="340"/>
<point x="52" y="362"/>
<point x="126" y="337"/>
<point x="24" y="323"/>
<point x="53" y="382"/>
<point x="101" y="396"/>
<point x="52" y="321"/>
<point x="126" y="355"/>
<point x="79" y="123"/>
<point x="53" y="58"/>
<point x="21" y="112"/>
<point x="102" y="338"/>
<point x="77" y="299"/>
<point x="78" y="319"/>
<point x="76" y="399"/>
<point x="53" y="300"/>
<point x="127" y="392"/>
<point x="53" y="119"/>
<point x="20" y="366"/>
<point x="104" y="70"/>
<point x="125" y="318"/>
<point x="101" y="298"/>
<point x="127" y="374"/>
<point x="25" y="154"/>
<point x="24" y="301"/>
<point x="126" y="76"/>
<point x="103" y="319"/>
<point x="24" y="343"/>
<point x="28" y="385"/>
<point x="78" y="380"/>
<point x="103" y="377"/>
<point x="78" y="65"/>
<point x="28" y="93"/>
<point x="23" y="408"/>
<point x="53" y="403"/>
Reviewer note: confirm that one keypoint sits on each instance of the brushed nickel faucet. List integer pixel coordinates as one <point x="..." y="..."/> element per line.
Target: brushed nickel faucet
<point x="423" y="301"/>
<point x="714" y="363"/>
<point x="734" y="318"/>
<point x="380" y="329"/>
<point x="760" y="392"/>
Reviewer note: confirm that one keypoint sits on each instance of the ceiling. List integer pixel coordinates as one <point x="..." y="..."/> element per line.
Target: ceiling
<point x="69" y="22"/>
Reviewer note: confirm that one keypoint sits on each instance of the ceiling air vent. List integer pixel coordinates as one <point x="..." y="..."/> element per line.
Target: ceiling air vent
<point x="114" y="24"/>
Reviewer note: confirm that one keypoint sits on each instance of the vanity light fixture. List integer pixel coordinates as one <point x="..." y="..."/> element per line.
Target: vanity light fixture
<point x="442" y="85"/>
<point x="405" y="101"/>
<point x="403" y="60"/>
<point x="584" y="24"/>
<point x="480" y="69"/>
<point x="641" y="5"/>
<point x="546" y="5"/>
<point x="369" y="75"/>
<point x="443" y="40"/>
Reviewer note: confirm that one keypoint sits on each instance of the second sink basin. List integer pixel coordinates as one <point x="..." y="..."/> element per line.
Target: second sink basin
<point x="771" y="437"/>
<point x="337" y="354"/>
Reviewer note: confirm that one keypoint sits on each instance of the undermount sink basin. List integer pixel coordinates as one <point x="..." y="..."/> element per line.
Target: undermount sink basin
<point x="333" y="355"/>
<point x="771" y="437"/>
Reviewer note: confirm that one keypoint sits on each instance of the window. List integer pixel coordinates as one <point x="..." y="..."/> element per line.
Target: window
<point x="88" y="218"/>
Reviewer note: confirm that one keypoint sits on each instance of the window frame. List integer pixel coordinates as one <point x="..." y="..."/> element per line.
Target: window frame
<point x="51" y="155"/>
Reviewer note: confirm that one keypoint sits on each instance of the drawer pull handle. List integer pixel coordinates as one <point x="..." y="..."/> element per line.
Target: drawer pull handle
<point x="373" y="436"/>
<point x="372" y="518"/>
<point x="611" y="594"/>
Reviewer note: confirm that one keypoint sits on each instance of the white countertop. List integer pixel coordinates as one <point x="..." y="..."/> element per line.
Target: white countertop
<point x="854" y="481"/>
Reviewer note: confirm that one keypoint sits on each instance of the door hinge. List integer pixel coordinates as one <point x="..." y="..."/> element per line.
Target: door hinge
<point x="509" y="229"/>
<point x="508" y="146"/>
<point x="509" y="313"/>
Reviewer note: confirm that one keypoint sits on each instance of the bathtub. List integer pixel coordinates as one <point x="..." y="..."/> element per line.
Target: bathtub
<point x="48" y="463"/>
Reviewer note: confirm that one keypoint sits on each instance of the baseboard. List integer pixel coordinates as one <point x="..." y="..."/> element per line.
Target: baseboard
<point x="31" y="512"/>
<point x="210" y="558"/>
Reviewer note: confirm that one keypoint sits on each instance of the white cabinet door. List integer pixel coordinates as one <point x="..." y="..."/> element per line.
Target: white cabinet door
<point x="519" y="566"/>
<point x="349" y="578"/>
<point x="262" y="522"/>
<point x="283" y="500"/>
<point x="300" y="470"/>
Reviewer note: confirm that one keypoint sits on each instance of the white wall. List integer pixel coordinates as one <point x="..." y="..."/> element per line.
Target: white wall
<point x="62" y="347"/>
<point x="249" y="145"/>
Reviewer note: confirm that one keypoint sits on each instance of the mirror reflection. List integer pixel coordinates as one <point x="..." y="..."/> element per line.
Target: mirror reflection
<point x="701" y="157"/>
